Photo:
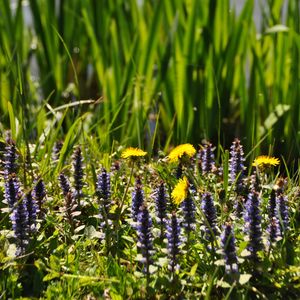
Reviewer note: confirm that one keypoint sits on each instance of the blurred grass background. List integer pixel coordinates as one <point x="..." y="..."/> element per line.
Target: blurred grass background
<point x="152" y="73"/>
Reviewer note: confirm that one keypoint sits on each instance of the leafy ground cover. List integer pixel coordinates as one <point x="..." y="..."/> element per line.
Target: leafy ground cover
<point x="128" y="225"/>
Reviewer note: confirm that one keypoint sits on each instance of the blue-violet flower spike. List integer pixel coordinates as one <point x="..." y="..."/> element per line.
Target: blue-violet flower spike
<point x="137" y="199"/>
<point x="253" y="224"/>
<point x="174" y="242"/>
<point x="145" y="238"/>
<point x="210" y="214"/>
<point x="229" y="251"/>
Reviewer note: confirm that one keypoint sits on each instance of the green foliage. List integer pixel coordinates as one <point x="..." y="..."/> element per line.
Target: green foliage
<point x="72" y="261"/>
<point x="189" y="70"/>
<point x="148" y="73"/>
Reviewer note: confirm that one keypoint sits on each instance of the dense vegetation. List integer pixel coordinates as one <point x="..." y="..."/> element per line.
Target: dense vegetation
<point x="179" y="226"/>
<point x="154" y="72"/>
<point x="84" y="217"/>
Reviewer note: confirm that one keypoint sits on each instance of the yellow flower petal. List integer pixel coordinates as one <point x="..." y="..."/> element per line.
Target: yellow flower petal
<point x="180" y="191"/>
<point x="133" y="152"/>
<point x="265" y="161"/>
<point x="181" y="150"/>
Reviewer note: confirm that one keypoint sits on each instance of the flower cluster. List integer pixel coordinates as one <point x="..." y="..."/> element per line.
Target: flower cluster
<point x="174" y="242"/>
<point x="56" y="150"/>
<point x="264" y="162"/>
<point x="31" y="208"/>
<point x="181" y="151"/>
<point x="78" y="173"/>
<point x="11" y="184"/>
<point x="39" y="194"/>
<point x="103" y="194"/>
<point x="253" y="224"/>
<point x="12" y="188"/>
<point x="64" y="184"/>
<point x="236" y="166"/>
<point x="137" y="199"/>
<point x="145" y="238"/>
<point x="161" y="207"/>
<point x="133" y="153"/>
<point x="188" y="210"/>
<point x="283" y="214"/>
<point x="19" y="220"/>
<point x="207" y="159"/>
<point x="210" y="215"/>
<point x="180" y="191"/>
<point x="10" y="159"/>
<point x="228" y="246"/>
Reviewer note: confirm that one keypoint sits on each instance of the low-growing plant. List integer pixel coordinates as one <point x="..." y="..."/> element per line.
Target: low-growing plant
<point x="140" y="229"/>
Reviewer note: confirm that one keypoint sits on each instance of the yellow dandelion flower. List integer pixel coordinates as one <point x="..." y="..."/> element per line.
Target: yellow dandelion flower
<point x="180" y="191"/>
<point x="265" y="161"/>
<point x="133" y="153"/>
<point x="180" y="151"/>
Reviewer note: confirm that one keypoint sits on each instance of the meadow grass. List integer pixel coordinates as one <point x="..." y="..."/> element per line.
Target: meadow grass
<point x="190" y="70"/>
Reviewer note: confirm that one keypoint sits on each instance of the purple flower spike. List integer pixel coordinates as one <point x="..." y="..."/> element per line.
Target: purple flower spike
<point x="78" y="173"/>
<point x="103" y="194"/>
<point x="39" y="194"/>
<point x="210" y="213"/>
<point x="174" y="242"/>
<point x="12" y="188"/>
<point x="283" y="213"/>
<point x="273" y="231"/>
<point x="229" y="251"/>
<point x="188" y="209"/>
<point x="137" y="199"/>
<point x="236" y="166"/>
<point x="161" y="207"/>
<point x="10" y="159"/>
<point x="253" y="224"/>
<point x="19" y="220"/>
<point x="31" y="212"/>
<point x="145" y="238"/>
<point x="272" y="204"/>
<point x="103" y="185"/>
<point x="64" y="184"/>
<point x="207" y="159"/>
<point x="56" y="150"/>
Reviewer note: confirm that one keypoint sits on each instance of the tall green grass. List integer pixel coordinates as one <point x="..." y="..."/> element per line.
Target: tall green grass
<point x="190" y="69"/>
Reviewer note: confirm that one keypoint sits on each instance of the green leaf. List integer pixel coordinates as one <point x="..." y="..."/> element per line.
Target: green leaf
<point x="274" y="116"/>
<point x="54" y="263"/>
<point x="193" y="269"/>
<point x="245" y="253"/>
<point x="223" y="284"/>
<point x="244" y="278"/>
<point x="91" y="232"/>
<point x="51" y="276"/>
<point x="220" y="262"/>
<point x="128" y="238"/>
<point x="115" y="296"/>
<point x="162" y="261"/>
<point x="12" y="120"/>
